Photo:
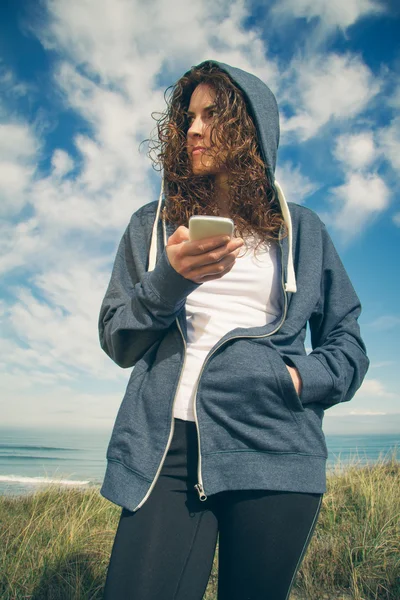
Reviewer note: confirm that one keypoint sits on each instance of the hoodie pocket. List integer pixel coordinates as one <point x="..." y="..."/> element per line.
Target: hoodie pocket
<point x="246" y="400"/>
<point x="285" y="382"/>
<point x="119" y="447"/>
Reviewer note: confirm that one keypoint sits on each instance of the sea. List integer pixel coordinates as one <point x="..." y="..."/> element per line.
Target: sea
<point x="31" y="459"/>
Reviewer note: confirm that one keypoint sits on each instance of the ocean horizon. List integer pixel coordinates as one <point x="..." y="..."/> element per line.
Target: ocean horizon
<point x="34" y="458"/>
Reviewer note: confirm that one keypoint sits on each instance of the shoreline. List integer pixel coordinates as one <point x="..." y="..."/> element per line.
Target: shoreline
<point x="39" y="483"/>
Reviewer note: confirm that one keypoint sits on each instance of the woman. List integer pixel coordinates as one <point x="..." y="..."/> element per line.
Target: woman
<point x="220" y="428"/>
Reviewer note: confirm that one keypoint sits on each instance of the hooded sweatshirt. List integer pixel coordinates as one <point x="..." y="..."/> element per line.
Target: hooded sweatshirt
<point x="254" y="430"/>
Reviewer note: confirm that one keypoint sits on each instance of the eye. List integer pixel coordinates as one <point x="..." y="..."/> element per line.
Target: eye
<point x="210" y="114"/>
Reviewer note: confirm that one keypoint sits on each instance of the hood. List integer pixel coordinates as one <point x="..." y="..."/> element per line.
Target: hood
<point x="263" y="108"/>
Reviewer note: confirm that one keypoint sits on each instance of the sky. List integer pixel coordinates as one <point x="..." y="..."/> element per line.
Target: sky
<point x="79" y="80"/>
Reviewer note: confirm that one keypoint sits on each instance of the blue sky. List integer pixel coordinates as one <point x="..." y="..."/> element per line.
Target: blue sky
<point x="79" y="81"/>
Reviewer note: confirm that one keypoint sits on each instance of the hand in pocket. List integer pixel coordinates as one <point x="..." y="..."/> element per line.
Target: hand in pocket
<point x="295" y="375"/>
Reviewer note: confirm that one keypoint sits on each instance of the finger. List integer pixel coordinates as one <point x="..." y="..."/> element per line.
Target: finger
<point x="216" y="269"/>
<point x="205" y="245"/>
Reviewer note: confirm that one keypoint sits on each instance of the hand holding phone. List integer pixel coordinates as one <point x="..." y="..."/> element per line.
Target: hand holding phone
<point x="204" y="259"/>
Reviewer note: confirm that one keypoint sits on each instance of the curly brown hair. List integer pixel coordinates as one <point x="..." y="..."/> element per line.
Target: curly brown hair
<point x="253" y="204"/>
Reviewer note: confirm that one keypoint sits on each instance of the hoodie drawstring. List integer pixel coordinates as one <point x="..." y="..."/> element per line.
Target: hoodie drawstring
<point x="290" y="285"/>
<point x="153" y="245"/>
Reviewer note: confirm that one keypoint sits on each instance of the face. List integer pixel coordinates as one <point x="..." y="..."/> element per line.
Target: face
<point x="200" y="117"/>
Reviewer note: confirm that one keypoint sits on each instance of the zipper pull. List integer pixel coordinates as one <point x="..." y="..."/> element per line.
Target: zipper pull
<point x="200" y="491"/>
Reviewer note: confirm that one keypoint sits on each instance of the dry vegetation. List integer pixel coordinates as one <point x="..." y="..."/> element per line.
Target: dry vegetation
<point x="55" y="544"/>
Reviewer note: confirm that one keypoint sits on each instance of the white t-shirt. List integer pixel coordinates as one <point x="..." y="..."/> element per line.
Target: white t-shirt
<point x="247" y="296"/>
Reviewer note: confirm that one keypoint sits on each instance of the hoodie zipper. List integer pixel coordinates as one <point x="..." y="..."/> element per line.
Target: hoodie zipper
<point x="199" y="486"/>
<point x="171" y="433"/>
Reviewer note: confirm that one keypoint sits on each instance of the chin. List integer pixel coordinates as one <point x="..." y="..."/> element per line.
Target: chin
<point x="200" y="171"/>
<point x="200" y="167"/>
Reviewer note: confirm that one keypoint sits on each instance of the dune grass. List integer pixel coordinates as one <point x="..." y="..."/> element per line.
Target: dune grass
<point x="55" y="544"/>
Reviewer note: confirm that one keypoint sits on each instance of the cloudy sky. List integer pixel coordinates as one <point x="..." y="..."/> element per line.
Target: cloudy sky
<point x="79" y="80"/>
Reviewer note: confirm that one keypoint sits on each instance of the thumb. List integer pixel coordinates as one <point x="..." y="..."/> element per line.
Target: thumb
<point x="180" y="235"/>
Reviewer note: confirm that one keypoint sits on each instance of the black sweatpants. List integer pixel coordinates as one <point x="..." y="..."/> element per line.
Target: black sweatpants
<point x="165" y="550"/>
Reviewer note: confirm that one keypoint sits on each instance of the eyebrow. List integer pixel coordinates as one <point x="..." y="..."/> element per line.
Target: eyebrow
<point x="190" y="112"/>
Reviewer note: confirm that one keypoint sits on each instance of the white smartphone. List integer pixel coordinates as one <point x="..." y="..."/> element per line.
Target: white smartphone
<point x="202" y="226"/>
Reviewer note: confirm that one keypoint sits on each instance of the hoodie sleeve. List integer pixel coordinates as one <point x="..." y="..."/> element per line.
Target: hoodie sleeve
<point x="139" y="306"/>
<point x="335" y="369"/>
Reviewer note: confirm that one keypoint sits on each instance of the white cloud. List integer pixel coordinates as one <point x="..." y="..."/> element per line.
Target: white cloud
<point x="110" y="55"/>
<point x="109" y="59"/>
<point x="374" y="387"/>
<point x="389" y="140"/>
<point x="18" y="151"/>
<point x="361" y="424"/>
<point x="11" y="90"/>
<point x="58" y="405"/>
<point x="364" y="194"/>
<point x="379" y="365"/>
<point x="114" y="90"/>
<point x="57" y="328"/>
<point x="296" y="186"/>
<point x="21" y="244"/>
<point x="369" y="413"/>
<point x="61" y="162"/>
<point x="375" y="407"/>
<point x="355" y="151"/>
<point x="125" y="42"/>
<point x="385" y="322"/>
<point x="341" y="13"/>
<point x="394" y="100"/>
<point x="17" y="142"/>
<point x="396" y="219"/>
<point x="356" y="202"/>
<point x="14" y="180"/>
<point x="330" y="86"/>
<point x="353" y="413"/>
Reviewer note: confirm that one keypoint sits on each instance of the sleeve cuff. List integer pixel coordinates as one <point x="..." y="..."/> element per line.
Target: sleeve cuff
<point x="170" y="287"/>
<point x="317" y="383"/>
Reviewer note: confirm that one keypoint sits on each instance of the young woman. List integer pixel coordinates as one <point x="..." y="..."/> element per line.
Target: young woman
<point x="220" y="429"/>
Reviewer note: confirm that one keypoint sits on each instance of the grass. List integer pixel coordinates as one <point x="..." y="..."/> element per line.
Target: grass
<point x="55" y="544"/>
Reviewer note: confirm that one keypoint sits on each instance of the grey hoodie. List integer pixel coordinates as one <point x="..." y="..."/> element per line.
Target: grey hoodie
<point x="254" y="430"/>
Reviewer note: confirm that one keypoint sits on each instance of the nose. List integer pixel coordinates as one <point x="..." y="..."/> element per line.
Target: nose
<point x="196" y="127"/>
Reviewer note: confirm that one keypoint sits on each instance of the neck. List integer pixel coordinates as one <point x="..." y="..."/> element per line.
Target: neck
<point x="222" y="194"/>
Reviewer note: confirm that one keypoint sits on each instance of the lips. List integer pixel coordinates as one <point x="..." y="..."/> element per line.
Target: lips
<point x="198" y="149"/>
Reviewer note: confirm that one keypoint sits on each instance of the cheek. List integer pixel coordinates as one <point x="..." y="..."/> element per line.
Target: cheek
<point x="215" y="134"/>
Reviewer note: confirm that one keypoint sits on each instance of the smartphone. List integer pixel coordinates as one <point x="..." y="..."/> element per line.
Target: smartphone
<point x="202" y="226"/>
